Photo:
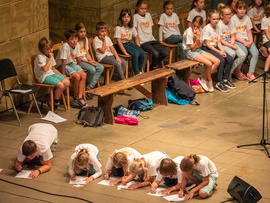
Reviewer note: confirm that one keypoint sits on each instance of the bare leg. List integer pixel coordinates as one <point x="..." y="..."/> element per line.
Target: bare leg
<point x="58" y="91"/>
<point x="208" y="63"/>
<point x="213" y="59"/>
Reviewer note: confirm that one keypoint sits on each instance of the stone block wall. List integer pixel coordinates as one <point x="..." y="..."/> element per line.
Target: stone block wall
<point x="22" y="24"/>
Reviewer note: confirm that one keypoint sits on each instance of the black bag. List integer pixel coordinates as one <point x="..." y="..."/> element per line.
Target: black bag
<point x="91" y="116"/>
<point x="181" y="89"/>
<point x="143" y="104"/>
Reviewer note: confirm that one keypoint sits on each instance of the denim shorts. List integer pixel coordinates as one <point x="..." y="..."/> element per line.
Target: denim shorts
<point x="72" y="67"/>
<point x="192" y="54"/>
<point x="208" y="188"/>
<point x="53" y="79"/>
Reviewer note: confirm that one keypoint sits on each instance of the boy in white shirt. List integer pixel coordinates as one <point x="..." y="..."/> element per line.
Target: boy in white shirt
<point x="105" y="51"/>
<point x="37" y="148"/>
<point x="68" y="61"/>
<point x="45" y="71"/>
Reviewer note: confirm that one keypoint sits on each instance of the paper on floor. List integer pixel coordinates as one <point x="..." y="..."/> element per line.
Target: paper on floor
<point x="21" y="91"/>
<point x="79" y="180"/>
<point x="24" y="174"/>
<point x="53" y="117"/>
<point x="158" y="192"/>
<point x="125" y="186"/>
<point x="106" y="182"/>
<point x="174" y="198"/>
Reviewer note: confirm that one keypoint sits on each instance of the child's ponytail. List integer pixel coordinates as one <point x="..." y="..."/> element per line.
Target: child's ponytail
<point x="193" y="4"/>
<point x="188" y="162"/>
<point x="82" y="159"/>
<point x="137" y="167"/>
<point x="119" y="160"/>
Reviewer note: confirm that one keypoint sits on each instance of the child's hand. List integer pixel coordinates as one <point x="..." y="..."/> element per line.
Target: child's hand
<point x="124" y="181"/>
<point x="50" y="55"/>
<point x="246" y="44"/>
<point x="153" y="188"/>
<point x="106" y="176"/>
<point x="133" y="186"/>
<point x="161" y="42"/>
<point x="89" y="180"/>
<point x="181" y="193"/>
<point x="34" y="174"/>
<point x="189" y="195"/>
<point x="114" y="182"/>
<point x="92" y="62"/>
<point x="223" y="53"/>
<point x="18" y="165"/>
<point x="72" y="177"/>
<point x="250" y="44"/>
<point x="234" y="47"/>
<point x="166" y="192"/>
<point x="119" y="60"/>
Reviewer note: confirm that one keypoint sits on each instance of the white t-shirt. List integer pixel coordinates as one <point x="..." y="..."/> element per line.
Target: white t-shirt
<point x="93" y="152"/>
<point x="265" y="26"/>
<point x="193" y="13"/>
<point x="68" y="53"/>
<point x="152" y="161"/>
<point x="144" y="24"/>
<point x="188" y="38"/>
<point x="125" y="34"/>
<point x="83" y="47"/>
<point x="206" y="167"/>
<point x="169" y="25"/>
<point x="241" y="26"/>
<point x="209" y="33"/>
<point x="225" y="30"/>
<point x="43" y="135"/>
<point x="131" y="155"/>
<point x="40" y="61"/>
<point x="255" y="13"/>
<point x="176" y="160"/>
<point x="97" y="44"/>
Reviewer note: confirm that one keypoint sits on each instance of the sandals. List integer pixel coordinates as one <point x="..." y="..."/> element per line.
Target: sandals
<point x="79" y="102"/>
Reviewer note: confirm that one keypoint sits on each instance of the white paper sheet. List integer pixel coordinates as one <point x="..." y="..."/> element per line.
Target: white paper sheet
<point x="158" y="192"/>
<point x="174" y="198"/>
<point x="119" y="187"/>
<point x="24" y="174"/>
<point x="78" y="181"/>
<point x="21" y="91"/>
<point x="53" y="117"/>
<point x="106" y="182"/>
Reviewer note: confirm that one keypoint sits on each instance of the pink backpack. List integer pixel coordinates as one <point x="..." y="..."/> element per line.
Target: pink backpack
<point x="126" y="120"/>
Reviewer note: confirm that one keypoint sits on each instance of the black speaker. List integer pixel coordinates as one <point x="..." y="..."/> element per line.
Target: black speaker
<point x="243" y="192"/>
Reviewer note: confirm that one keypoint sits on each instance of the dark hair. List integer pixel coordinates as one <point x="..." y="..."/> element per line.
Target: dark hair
<point x="188" y="162"/>
<point x="101" y="25"/>
<point x="252" y="4"/>
<point x="240" y="4"/>
<point x="193" y="4"/>
<point x="70" y="33"/>
<point x="44" y="43"/>
<point x="123" y="13"/>
<point x="167" y="3"/>
<point x="29" y="147"/>
<point x="267" y="10"/>
<point x="79" y="26"/>
<point x="229" y="2"/>
<point x="139" y="2"/>
<point x="198" y="19"/>
<point x="167" y="167"/>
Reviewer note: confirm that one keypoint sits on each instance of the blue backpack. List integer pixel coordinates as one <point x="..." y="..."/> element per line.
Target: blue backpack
<point x="143" y="104"/>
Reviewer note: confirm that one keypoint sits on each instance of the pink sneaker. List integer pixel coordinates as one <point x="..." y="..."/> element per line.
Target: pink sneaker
<point x="264" y="51"/>
<point x="250" y="76"/>
<point x="239" y="75"/>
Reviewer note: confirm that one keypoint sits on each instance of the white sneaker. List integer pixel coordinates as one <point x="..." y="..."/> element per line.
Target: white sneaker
<point x="210" y="86"/>
<point x="203" y="83"/>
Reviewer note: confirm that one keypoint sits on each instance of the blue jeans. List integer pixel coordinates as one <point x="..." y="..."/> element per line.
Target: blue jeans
<point x="177" y="39"/>
<point x="254" y="55"/>
<point x="93" y="73"/>
<point x="137" y="55"/>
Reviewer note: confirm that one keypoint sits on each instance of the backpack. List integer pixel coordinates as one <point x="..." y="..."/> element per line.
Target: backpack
<point x="180" y="89"/>
<point x="173" y="99"/>
<point x="143" y="104"/>
<point x="126" y="120"/>
<point x="196" y="86"/>
<point x="91" y="116"/>
<point x="122" y="111"/>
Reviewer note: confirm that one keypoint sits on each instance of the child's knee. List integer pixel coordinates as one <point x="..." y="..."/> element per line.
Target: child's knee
<point x="61" y="85"/>
<point x="76" y="76"/>
<point x="268" y="50"/>
<point x="82" y="75"/>
<point x="66" y="82"/>
<point x="203" y="194"/>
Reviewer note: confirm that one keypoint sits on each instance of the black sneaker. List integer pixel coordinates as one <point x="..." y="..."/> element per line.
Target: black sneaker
<point x="56" y="104"/>
<point x="229" y="84"/>
<point x="264" y="80"/>
<point x="220" y="86"/>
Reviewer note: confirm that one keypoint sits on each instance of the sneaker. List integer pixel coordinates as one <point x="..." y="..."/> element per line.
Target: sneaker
<point x="220" y="86"/>
<point x="266" y="80"/>
<point x="203" y="83"/>
<point x="210" y="86"/>
<point x="239" y="75"/>
<point x="264" y="51"/>
<point x="229" y="84"/>
<point x="56" y="104"/>
<point x="250" y="76"/>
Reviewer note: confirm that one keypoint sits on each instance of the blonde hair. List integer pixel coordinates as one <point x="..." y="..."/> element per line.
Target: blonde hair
<point x="167" y="167"/>
<point x="221" y="7"/>
<point x="267" y="10"/>
<point x="241" y="4"/>
<point x="44" y="44"/>
<point x="188" y="162"/>
<point x="137" y="167"/>
<point x="119" y="159"/>
<point x="82" y="159"/>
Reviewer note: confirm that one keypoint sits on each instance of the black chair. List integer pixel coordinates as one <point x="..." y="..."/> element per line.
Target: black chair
<point x="7" y="70"/>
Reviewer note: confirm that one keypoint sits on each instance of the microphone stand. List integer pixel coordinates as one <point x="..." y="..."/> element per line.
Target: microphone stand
<point x="263" y="141"/>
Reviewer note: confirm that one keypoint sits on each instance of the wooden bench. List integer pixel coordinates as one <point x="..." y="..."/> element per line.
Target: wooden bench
<point x="183" y="68"/>
<point x="158" y="78"/>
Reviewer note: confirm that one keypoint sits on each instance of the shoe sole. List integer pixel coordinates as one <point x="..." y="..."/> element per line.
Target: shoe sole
<point x="252" y="79"/>
<point x="221" y="89"/>
<point x="230" y="87"/>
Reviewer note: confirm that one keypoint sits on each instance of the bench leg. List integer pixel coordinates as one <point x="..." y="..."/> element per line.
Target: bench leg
<point x="184" y="74"/>
<point x="159" y="91"/>
<point x="106" y="104"/>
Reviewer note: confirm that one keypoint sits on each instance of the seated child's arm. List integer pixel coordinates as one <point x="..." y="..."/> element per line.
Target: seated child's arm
<point x="197" y="42"/>
<point x="161" y="33"/>
<point x="221" y="49"/>
<point x="250" y="37"/>
<point x="44" y="168"/>
<point x="104" y="46"/>
<point x="121" y="46"/>
<point x="90" y="60"/>
<point x="254" y="25"/>
<point x="223" y="42"/>
<point x="48" y="65"/>
<point x="63" y="66"/>
<point x="137" y="40"/>
<point x="204" y="23"/>
<point x="115" y="54"/>
<point x="241" y="40"/>
<point x="140" y="184"/>
<point x="212" y="47"/>
<point x="18" y="165"/>
<point x="56" y="71"/>
<point x="78" y="60"/>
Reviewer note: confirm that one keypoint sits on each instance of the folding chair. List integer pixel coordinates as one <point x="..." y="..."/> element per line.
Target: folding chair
<point x="7" y="70"/>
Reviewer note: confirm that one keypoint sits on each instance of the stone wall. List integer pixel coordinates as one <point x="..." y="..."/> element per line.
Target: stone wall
<point x="22" y="24"/>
